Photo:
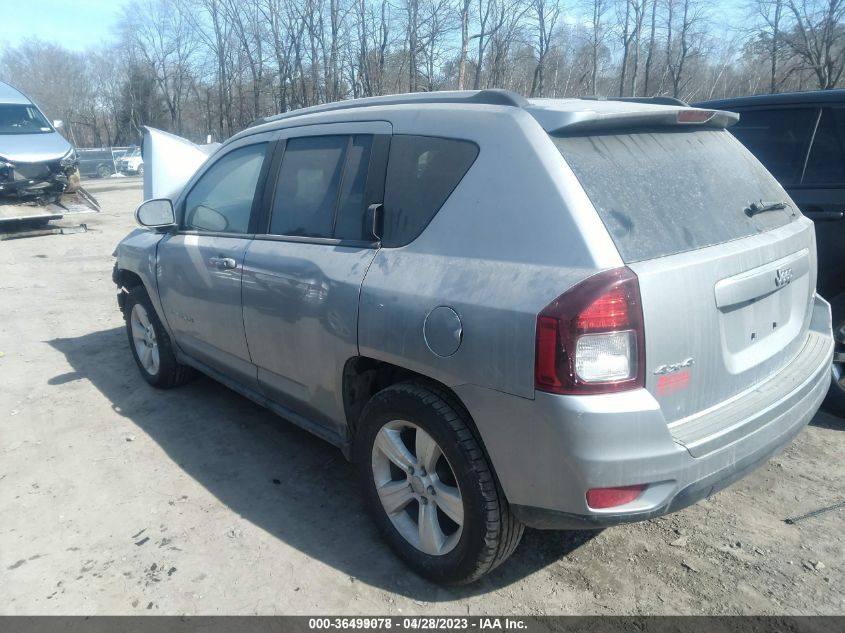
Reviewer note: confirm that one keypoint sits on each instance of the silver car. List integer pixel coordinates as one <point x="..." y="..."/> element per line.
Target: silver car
<point x="39" y="175"/>
<point x="507" y="312"/>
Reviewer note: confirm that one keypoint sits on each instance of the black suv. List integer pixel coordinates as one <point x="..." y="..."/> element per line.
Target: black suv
<point x="96" y="162"/>
<point x="800" y="138"/>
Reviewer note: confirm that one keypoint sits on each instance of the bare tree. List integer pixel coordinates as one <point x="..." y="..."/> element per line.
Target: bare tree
<point x="682" y="19"/>
<point x="596" y="40"/>
<point x="505" y="46"/>
<point x="817" y="38"/>
<point x="546" y="12"/>
<point x="652" y="39"/>
<point x="436" y="26"/>
<point x="162" y="38"/>
<point x="632" y="23"/>
<point x="771" y="16"/>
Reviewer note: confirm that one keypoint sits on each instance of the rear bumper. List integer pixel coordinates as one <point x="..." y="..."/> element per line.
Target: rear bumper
<point x="549" y="451"/>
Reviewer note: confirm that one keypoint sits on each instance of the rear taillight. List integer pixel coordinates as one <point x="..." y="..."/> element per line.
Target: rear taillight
<point x="590" y="339"/>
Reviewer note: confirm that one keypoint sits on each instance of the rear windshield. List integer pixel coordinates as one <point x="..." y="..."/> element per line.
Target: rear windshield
<point x="666" y="192"/>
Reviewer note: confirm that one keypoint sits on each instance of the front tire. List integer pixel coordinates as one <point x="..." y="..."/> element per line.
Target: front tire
<point x="429" y="486"/>
<point x="150" y="345"/>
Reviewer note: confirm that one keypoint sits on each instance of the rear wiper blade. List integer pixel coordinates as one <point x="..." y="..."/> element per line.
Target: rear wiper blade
<point x="761" y="207"/>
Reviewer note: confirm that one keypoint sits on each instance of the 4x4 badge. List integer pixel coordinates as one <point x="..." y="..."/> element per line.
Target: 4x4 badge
<point x="673" y="367"/>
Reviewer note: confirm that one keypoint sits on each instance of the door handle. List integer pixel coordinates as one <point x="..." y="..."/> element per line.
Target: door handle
<point x="226" y="263"/>
<point x="817" y="215"/>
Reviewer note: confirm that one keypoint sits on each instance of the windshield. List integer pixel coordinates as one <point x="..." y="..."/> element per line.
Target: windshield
<point x="22" y="119"/>
<point x="666" y="192"/>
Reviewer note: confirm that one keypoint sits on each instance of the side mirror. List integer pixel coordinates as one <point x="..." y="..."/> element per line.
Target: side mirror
<point x="58" y="124"/>
<point x="375" y="221"/>
<point x="155" y="214"/>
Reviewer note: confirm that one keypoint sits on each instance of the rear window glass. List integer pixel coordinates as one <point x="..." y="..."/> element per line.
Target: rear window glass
<point x="660" y="193"/>
<point x="422" y="172"/>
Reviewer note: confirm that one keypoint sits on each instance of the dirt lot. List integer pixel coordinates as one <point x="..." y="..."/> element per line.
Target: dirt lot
<point x="117" y="498"/>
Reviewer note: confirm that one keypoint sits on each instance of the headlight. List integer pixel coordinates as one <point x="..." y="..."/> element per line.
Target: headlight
<point x="70" y="159"/>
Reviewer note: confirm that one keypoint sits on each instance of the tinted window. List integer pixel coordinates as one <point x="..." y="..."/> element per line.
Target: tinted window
<point x="778" y="138"/>
<point x="306" y="192"/>
<point x="826" y="164"/>
<point x="422" y="172"/>
<point x="221" y="200"/>
<point x="661" y="193"/>
<point x="321" y="186"/>
<point x="349" y="223"/>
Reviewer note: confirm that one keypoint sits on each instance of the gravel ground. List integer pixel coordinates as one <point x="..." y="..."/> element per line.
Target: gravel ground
<point x="116" y="498"/>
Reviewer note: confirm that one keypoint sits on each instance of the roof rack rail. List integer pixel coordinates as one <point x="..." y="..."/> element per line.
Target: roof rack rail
<point x="653" y="100"/>
<point x="486" y="97"/>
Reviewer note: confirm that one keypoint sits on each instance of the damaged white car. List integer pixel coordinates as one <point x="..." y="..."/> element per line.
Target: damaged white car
<point x="39" y="175"/>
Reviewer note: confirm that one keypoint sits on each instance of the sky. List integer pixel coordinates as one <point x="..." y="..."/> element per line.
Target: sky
<point x="82" y="24"/>
<point x="75" y="24"/>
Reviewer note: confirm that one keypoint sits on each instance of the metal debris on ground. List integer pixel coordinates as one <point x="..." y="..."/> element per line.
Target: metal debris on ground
<point x="50" y="230"/>
<point x="814" y="513"/>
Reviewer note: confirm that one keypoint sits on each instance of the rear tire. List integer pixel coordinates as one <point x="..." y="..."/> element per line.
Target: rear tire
<point x="451" y="522"/>
<point x="835" y="401"/>
<point x="103" y="171"/>
<point x="150" y="345"/>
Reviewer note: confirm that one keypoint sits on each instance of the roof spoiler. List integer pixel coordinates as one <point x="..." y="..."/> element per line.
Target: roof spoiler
<point x="577" y="122"/>
<point x="660" y="100"/>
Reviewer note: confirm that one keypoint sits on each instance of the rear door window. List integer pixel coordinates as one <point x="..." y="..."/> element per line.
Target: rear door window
<point x="320" y="191"/>
<point x="349" y="218"/>
<point x="826" y="163"/>
<point x="666" y="192"/>
<point x="779" y="138"/>
<point x="422" y="172"/>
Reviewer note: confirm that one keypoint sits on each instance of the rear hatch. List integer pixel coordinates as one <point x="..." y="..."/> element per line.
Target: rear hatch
<point x="726" y="291"/>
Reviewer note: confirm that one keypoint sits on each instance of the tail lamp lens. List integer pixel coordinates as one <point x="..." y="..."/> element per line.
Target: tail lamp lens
<point x="590" y="339"/>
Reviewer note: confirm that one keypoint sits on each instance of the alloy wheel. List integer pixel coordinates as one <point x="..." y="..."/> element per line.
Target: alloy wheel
<point x="417" y="487"/>
<point x="144" y="339"/>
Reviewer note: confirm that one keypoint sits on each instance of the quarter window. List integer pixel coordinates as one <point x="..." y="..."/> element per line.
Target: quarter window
<point x="221" y="200"/>
<point x="422" y="172"/>
<point x="778" y="138"/>
<point x="321" y="186"/>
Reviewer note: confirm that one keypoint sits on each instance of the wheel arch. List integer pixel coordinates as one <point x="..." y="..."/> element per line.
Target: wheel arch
<point x="126" y="279"/>
<point x="363" y="377"/>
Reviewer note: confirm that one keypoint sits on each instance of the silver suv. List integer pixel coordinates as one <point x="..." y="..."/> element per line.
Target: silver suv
<point x="507" y="312"/>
